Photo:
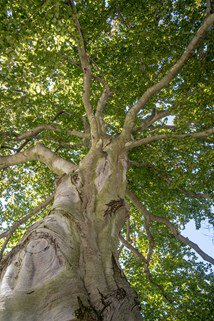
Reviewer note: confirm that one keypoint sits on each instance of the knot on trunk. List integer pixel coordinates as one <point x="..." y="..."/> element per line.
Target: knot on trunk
<point x="86" y="313"/>
<point x="120" y="294"/>
<point x="113" y="206"/>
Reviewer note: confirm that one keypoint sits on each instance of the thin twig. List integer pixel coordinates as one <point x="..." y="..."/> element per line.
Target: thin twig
<point x="169" y="180"/>
<point x="140" y="256"/>
<point x="156" y="115"/>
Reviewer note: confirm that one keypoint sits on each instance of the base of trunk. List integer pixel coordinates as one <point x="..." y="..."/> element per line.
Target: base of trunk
<point x="43" y="279"/>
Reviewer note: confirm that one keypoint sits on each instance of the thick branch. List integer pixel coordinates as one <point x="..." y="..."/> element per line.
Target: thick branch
<point x="130" y="117"/>
<point x="86" y="67"/>
<point x="148" y="140"/>
<point x="170" y="225"/>
<point x="23" y="220"/>
<point x="39" y="152"/>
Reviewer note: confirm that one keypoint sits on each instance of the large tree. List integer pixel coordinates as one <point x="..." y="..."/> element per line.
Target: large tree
<point x="105" y="157"/>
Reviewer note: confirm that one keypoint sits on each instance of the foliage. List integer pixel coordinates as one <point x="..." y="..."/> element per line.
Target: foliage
<point x="131" y="45"/>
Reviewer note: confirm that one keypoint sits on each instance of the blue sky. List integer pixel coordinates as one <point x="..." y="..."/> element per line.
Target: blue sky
<point x="204" y="237"/>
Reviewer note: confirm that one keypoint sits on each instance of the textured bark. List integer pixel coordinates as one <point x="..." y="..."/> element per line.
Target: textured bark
<point x="65" y="267"/>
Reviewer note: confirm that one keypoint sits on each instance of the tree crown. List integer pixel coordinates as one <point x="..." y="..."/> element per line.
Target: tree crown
<point x="74" y="73"/>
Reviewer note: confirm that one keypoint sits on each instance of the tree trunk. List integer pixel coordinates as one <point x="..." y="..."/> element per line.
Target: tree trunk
<point x="66" y="267"/>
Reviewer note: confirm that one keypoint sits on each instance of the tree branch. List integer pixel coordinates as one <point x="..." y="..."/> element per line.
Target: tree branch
<point x="133" y="250"/>
<point x="21" y="221"/>
<point x="39" y="152"/>
<point x="168" y="180"/>
<point x="140" y="256"/>
<point x="154" y="129"/>
<point x="170" y="225"/>
<point x="23" y="145"/>
<point x="128" y="230"/>
<point x="96" y="77"/>
<point x="37" y="130"/>
<point x="100" y="107"/>
<point x="86" y="67"/>
<point x="150" y="238"/>
<point x="103" y="98"/>
<point x="175" y="69"/>
<point x="156" y="115"/>
<point x="148" y="140"/>
<point x="8" y="147"/>
<point x="58" y="114"/>
<point x="209" y="7"/>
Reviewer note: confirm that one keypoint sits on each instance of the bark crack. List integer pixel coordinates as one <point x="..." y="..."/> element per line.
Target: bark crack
<point x="113" y="206"/>
<point x="87" y="313"/>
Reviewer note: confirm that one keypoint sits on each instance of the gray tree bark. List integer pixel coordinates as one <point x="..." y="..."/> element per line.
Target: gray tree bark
<point x="66" y="268"/>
